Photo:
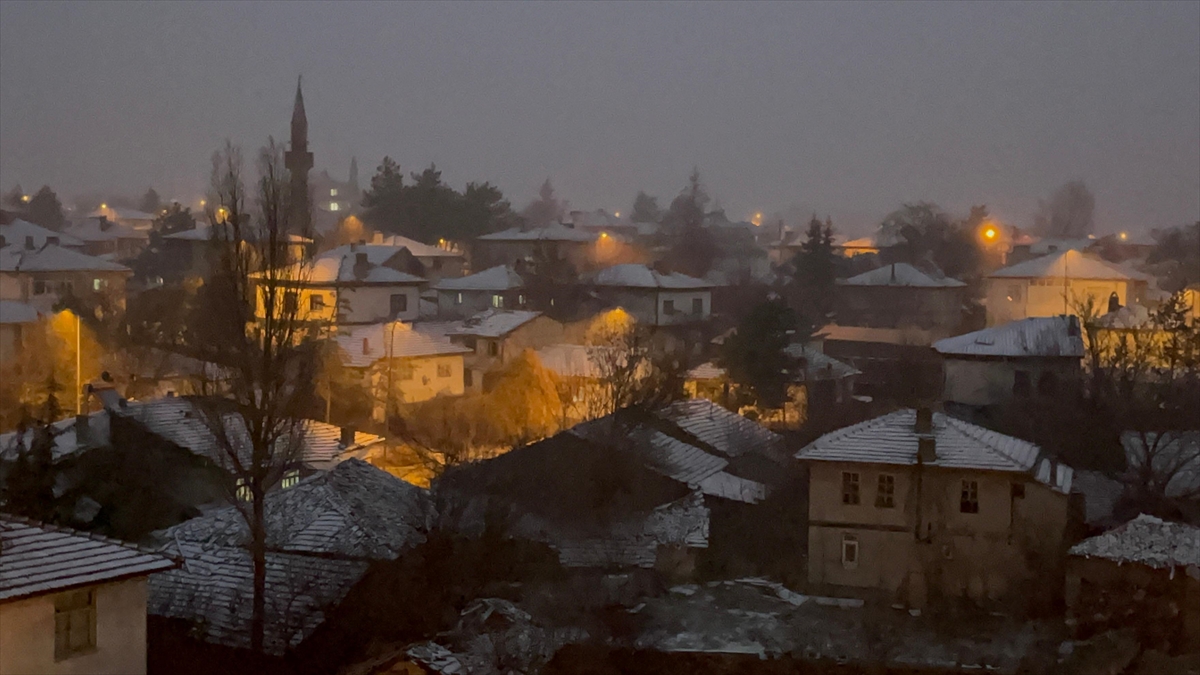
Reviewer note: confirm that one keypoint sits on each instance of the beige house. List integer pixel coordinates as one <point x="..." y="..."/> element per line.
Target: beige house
<point x="400" y="363"/>
<point x="499" y="287"/>
<point x="913" y="506"/>
<point x="498" y="336"/>
<point x="1059" y="283"/>
<point x="42" y="276"/>
<point x="70" y="603"/>
<point x="654" y="297"/>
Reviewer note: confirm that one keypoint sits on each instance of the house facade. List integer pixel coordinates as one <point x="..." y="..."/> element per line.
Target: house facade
<point x="1059" y="283"/>
<point x="72" y="603"/>
<point x="496" y="337"/>
<point x="584" y="249"/>
<point x="914" y="506"/>
<point x="654" y="297"/>
<point x="499" y="287"/>
<point x="43" y="276"/>
<point x="899" y="295"/>
<point x="399" y="363"/>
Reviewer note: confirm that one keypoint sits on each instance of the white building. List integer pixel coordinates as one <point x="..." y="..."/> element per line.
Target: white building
<point x="1059" y="283"/>
<point x="653" y="297"/>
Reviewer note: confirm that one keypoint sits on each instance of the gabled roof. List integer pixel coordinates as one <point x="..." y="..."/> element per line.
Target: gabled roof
<point x="51" y="258"/>
<point x="1035" y="336"/>
<point x="891" y="439"/>
<point x="363" y="345"/>
<point x="553" y="232"/>
<point x="419" y="249"/>
<point x="498" y="278"/>
<point x="900" y="274"/>
<point x="729" y="433"/>
<point x="494" y="323"/>
<point x="340" y="266"/>
<point x="1145" y="540"/>
<point x="18" y="231"/>
<point x="818" y="364"/>
<point x="36" y="559"/>
<point x="1070" y="264"/>
<point x="12" y="311"/>
<point x="632" y="275"/>
<point x="92" y="229"/>
<point x="121" y="214"/>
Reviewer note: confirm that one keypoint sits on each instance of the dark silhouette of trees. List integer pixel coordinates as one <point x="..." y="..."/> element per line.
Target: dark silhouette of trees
<point x="926" y="235"/>
<point x="816" y="268"/>
<point x="44" y="209"/>
<point x="29" y="485"/>
<point x="1068" y="214"/>
<point x="645" y="209"/>
<point x="546" y="209"/>
<point x="755" y="356"/>
<point x="692" y="246"/>
<point x="429" y="210"/>
<point x="151" y="202"/>
<point x="15" y="197"/>
<point x="176" y="219"/>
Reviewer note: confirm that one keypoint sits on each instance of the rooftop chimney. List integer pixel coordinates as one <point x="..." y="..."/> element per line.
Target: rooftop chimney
<point x="361" y="265"/>
<point x="924" y="423"/>
<point x="29" y="243"/>
<point x="347" y="438"/>
<point x="52" y="241"/>
<point x="83" y="432"/>
<point x="377" y="238"/>
<point x="926" y="450"/>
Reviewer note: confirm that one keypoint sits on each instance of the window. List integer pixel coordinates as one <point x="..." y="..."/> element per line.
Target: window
<point x="849" y="551"/>
<point x="1021" y="386"/>
<point x="850" y="487"/>
<point x="316" y="302"/>
<point x="39" y="287"/>
<point x="697" y="305"/>
<point x="498" y="301"/>
<point x="290" y="302"/>
<point x="98" y="284"/>
<point x="333" y="206"/>
<point x="1014" y="292"/>
<point x="74" y="624"/>
<point x="443" y="370"/>
<point x="242" y="491"/>
<point x="399" y="304"/>
<point x="521" y="300"/>
<point x="290" y="479"/>
<point x="468" y="379"/>
<point x="332" y="192"/>
<point x="668" y="307"/>
<point x="969" y="502"/>
<point x="885" y="496"/>
<point x="458" y="299"/>
<point x="493" y="348"/>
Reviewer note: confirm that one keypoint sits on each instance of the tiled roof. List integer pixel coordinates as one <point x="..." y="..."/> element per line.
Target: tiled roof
<point x="729" y="433"/>
<point x="908" y="336"/>
<point x="419" y="249"/>
<point x="12" y="311"/>
<point x="180" y="421"/>
<point x="891" y="439"/>
<point x="900" y="274"/>
<point x="1146" y="540"/>
<point x="555" y="232"/>
<point x="818" y="364"/>
<point x="398" y="339"/>
<point x="91" y="229"/>
<point x="1035" y="336"/>
<point x="632" y="275"/>
<point x="498" y="278"/>
<point x="495" y="322"/>
<point x="340" y="266"/>
<point x="634" y="543"/>
<point x="51" y="258"/>
<point x="16" y="233"/>
<point x="1070" y="264"/>
<point x="202" y="232"/>
<point x="37" y="559"/>
<point x="321" y="535"/>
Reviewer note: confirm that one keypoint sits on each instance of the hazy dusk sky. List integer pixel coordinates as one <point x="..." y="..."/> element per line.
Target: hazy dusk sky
<point x="847" y="109"/>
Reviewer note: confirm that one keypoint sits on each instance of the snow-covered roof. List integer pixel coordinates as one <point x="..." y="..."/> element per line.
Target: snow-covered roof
<point x="12" y="311"/>
<point x="494" y="323"/>
<point x="51" y="258"/>
<point x="1146" y="540"/>
<point x="1035" y="336"/>
<point x="340" y="266"/>
<point x="1049" y="245"/>
<point x="121" y="214"/>
<point x="320" y="534"/>
<point x="729" y="433"/>
<point x="201" y="232"/>
<point x="18" y="232"/>
<point x="363" y="345"/>
<point x="1070" y="264"/>
<point x="93" y="229"/>
<point x="419" y="249"/>
<point x="632" y="275"/>
<point x="553" y="232"/>
<point x="818" y="364"/>
<point x="1128" y="316"/>
<point x="900" y="274"/>
<point x="36" y="559"/>
<point x="907" y="336"/>
<point x="635" y="542"/>
<point x="498" y="278"/>
<point x="892" y="439"/>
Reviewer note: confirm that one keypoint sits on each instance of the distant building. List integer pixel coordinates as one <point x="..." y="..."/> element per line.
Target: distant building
<point x="499" y="287"/>
<point x="914" y="505"/>
<point x="654" y="297"/>
<point x="896" y="363"/>
<point x="299" y="161"/>
<point x="72" y="602"/>
<point x="15" y="319"/>
<point x="103" y="237"/>
<point x="132" y="218"/>
<point x="440" y="262"/>
<point x="498" y="336"/>
<point x="1058" y="284"/>
<point x="900" y="295"/>
<point x="400" y="363"/>
<point x="580" y="247"/>
<point x="42" y="276"/>
<point x="1030" y="359"/>
<point x="22" y="233"/>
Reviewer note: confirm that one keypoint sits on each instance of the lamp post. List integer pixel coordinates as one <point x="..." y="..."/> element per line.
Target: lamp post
<point x="78" y="370"/>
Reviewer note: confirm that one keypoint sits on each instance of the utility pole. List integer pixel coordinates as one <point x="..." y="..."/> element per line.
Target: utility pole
<point x="78" y="369"/>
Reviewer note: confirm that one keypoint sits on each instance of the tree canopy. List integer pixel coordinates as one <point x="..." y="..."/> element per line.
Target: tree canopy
<point x="755" y="356"/>
<point x="44" y="209"/>
<point x="645" y="209"/>
<point x="1068" y="214"/>
<point x="925" y="234"/>
<point x="546" y="209"/>
<point x="151" y="202"/>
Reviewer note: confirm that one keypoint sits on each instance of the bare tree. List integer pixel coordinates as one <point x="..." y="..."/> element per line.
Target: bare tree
<point x="1068" y="213"/>
<point x="253" y="328"/>
<point x="633" y="372"/>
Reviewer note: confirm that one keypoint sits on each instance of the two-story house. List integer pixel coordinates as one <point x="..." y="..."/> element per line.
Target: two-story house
<point x="1034" y="358"/>
<point x="582" y="248"/>
<point x="350" y="285"/>
<point x="24" y="233"/>
<point x="655" y="297"/>
<point x="1059" y="283"/>
<point x="497" y="336"/>
<point x="104" y="237"/>
<point x="499" y="287"/>
<point x="900" y="295"/>
<point x="42" y="276"/>
<point x="70" y="602"/>
<point x="440" y="262"/>
<point x="914" y="506"/>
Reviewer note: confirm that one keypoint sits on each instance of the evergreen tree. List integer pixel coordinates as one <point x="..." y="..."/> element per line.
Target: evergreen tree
<point x="44" y="209"/>
<point x="645" y="209"/>
<point x="546" y="209"/>
<point x="816" y="270"/>
<point x="15" y="197"/>
<point x="151" y="202"/>
<point x="756" y="358"/>
<point x="29" y="487"/>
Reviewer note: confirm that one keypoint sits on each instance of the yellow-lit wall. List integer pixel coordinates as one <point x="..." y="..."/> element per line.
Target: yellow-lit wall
<point x="1015" y="299"/>
<point x="414" y="380"/>
<point x="356" y="304"/>
<point x="27" y="634"/>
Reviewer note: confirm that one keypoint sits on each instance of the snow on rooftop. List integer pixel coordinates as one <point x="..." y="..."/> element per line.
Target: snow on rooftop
<point x="364" y="345"/>
<point x="93" y="229"/>
<point x="1035" y="336"/>
<point x="52" y="258"/>
<point x="12" y="311"/>
<point x="1070" y="264"/>
<point x="900" y="274"/>
<point x="632" y="275"/>
<point x="495" y="323"/>
<point x="498" y="278"/>
<point x="18" y="231"/>
<point x="1146" y="540"/>
<point x="553" y="232"/>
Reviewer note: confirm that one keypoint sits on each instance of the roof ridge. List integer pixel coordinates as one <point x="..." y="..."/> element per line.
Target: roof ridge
<point x="29" y="522"/>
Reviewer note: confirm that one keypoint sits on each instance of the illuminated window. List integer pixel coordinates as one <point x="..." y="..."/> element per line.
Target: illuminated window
<point x="850" y="487"/>
<point x="74" y="624"/>
<point x="521" y="300"/>
<point x="316" y="302"/>
<point x="458" y="299"/>
<point x="443" y="370"/>
<point x="498" y="301"/>
<point x="333" y="206"/>
<point x="242" y="491"/>
<point x="332" y="192"/>
<point x="849" y="551"/>
<point x="97" y="284"/>
<point x="969" y="501"/>
<point x="885" y="496"/>
<point x="290" y="479"/>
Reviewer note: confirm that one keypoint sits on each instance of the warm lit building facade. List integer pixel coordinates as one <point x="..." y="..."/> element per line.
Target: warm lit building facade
<point x="654" y="297"/>
<point x="1059" y="283"/>
<point x="399" y="364"/>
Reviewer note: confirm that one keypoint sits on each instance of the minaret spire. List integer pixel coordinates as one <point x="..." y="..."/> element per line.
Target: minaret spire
<point x="298" y="161"/>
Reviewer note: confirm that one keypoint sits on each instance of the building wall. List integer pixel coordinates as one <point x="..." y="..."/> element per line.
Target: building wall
<point x="474" y="302"/>
<point x="900" y="306"/>
<point x="10" y="339"/>
<point x="27" y="634"/>
<point x="13" y="287"/>
<point x="683" y="307"/>
<point x="414" y="380"/>
<point x="648" y="305"/>
<point x="980" y="382"/>
<point x="540" y="332"/>
<point x="1015" y="299"/>
<point x="351" y="304"/>
<point x="45" y="289"/>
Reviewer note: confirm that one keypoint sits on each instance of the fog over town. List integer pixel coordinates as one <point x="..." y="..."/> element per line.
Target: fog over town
<point x="561" y="338"/>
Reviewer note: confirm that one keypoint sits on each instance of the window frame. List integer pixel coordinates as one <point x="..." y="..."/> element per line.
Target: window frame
<point x="851" y="488"/>
<point x="395" y="299"/>
<point x="316" y="302"/>
<point x="291" y="478"/>
<point x="885" y="491"/>
<point x="851" y="551"/>
<point x="68" y="611"/>
<point x="968" y="499"/>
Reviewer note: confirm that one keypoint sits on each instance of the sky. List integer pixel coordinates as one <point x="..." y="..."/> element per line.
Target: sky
<point x="846" y="109"/>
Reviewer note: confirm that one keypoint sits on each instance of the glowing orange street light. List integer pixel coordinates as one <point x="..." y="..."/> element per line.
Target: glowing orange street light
<point x="617" y="214"/>
<point x="25" y="198"/>
<point x="990" y="233"/>
<point x="103" y="205"/>
<point x="604" y="235"/>
<point x="1124" y="235"/>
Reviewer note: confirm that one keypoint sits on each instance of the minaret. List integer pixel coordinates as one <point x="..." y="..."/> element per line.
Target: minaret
<point x="298" y="161"/>
<point x="355" y="192"/>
